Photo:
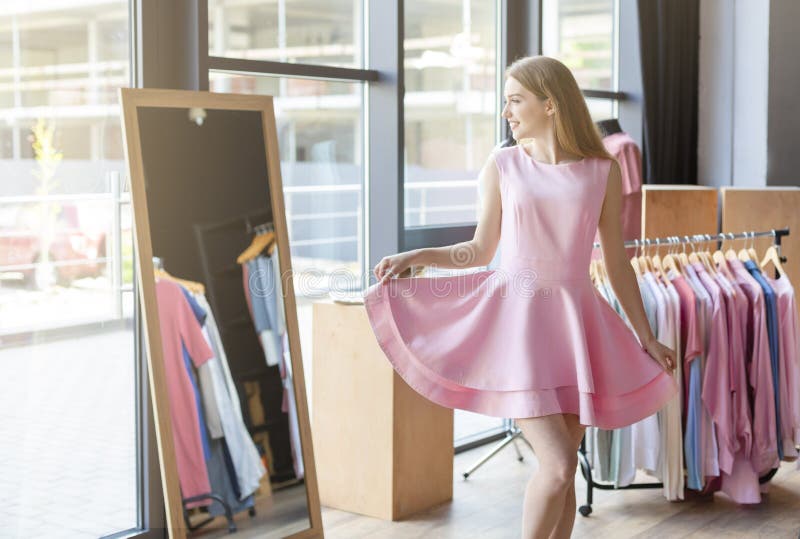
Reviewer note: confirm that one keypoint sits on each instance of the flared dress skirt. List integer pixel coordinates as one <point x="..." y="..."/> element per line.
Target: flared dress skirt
<point x="532" y="337"/>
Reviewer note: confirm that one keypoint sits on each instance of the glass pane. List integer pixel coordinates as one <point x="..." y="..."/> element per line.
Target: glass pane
<point x="580" y="33"/>
<point x="450" y="121"/>
<point x="322" y="32"/>
<point x="602" y="109"/>
<point x="67" y="394"/>
<point x="321" y="143"/>
<point x="450" y="107"/>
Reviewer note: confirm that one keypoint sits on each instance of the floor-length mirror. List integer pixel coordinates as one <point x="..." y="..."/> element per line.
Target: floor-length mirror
<point x="206" y="188"/>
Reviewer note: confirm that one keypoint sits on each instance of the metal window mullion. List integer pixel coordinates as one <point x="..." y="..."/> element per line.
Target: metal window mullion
<point x="630" y="73"/>
<point x="285" y="69"/>
<point x="383" y="185"/>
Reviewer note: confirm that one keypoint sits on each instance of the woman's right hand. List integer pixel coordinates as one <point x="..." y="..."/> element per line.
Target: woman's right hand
<point x="392" y="266"/>
<point x="664" y="355"/>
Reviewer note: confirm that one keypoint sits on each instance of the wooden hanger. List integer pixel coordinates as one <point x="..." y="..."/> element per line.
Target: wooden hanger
<point x="744" y="253"/>
<point x="705" y="256"/>
<point x="722" y="258"/>
<point x="683" y="258"/>
<point x="772" y="255"/>
<point x="635" y="260"/>
<point x="644" y="259"/>
<point x="593" y="272"/>
<point x="259" y="243"/>
<point x="656" y="261"/>
<point x="191" y="286"/>
<point x="752" y="249"/>
<point x="669" y="260"/>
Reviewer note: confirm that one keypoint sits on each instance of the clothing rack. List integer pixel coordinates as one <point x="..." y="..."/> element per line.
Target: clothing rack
<point x="583" y="460"/>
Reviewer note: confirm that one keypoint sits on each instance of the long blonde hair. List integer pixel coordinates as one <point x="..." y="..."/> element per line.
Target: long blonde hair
<point x="547" y="77"/>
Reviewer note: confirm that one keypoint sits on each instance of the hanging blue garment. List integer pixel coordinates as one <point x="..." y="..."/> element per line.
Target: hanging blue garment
<point x="772" y="334"/>
<point x="691" y="442"/>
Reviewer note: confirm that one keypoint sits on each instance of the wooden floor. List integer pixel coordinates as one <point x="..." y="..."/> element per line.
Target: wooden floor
<point x="489" y="504"/>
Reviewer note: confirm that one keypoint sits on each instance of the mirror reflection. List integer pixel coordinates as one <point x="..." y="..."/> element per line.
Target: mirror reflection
<point x="223" y="320"/>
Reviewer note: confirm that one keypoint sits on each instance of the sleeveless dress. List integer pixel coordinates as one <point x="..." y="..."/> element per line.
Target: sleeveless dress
<point x="533" y="337"/>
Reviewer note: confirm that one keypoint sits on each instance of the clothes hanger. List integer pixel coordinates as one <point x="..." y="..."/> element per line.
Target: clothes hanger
<point x="772" y="255"/>
<point x="693" y="257"/>
<point x="752" y="249"/>
<point x="705" y="256"/>
<point x="730" y="254"/>
<point x="682" y="257"/>
<point x="191" y="286"/>
<point x="669" y="259"/>
<point x="594" y="272"/>
<point x="656" y="260"/>
<point x="744" y="252"/>
<point x="264" y="239"/>
<point x="719" y="257"/>
<point x="644" y="261"/>
<point x="721" y="260"/>
<point x="601" y="272"/>
<point x="635" y="259"/>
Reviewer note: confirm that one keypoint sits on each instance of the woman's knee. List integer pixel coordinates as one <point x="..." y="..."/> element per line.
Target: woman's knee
<point x="560" y="472"/>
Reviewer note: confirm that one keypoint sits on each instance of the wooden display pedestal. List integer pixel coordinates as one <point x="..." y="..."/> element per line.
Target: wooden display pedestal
<point x="381" y="449"/>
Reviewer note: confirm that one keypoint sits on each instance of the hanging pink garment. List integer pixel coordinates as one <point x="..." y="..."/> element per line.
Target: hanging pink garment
<point x="789" y="339"/>
<point x="742" y="484"/>
<point x="716" y="376"/>
<point x="764" y="450"/>
<point x="533" y="337"/>
<point x="179" y="325"/>
<point x="626" y="151"/>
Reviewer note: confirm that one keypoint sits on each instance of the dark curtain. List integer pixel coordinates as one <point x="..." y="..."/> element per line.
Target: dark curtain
<point x="669" y="41"/>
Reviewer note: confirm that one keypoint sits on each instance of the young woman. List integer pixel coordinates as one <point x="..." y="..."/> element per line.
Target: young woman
<point x="532" y="340"/>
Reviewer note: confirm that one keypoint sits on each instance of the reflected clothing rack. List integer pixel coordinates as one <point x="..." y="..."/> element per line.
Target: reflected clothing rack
<point x="219" y="244"/>
<point x="583" y="459"/>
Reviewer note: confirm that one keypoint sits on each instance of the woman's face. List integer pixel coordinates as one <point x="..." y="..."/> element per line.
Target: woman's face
<point x="528" y="116"/>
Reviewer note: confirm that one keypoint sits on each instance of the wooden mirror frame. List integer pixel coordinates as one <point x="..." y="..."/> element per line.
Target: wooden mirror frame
<point x="131" y="99"/>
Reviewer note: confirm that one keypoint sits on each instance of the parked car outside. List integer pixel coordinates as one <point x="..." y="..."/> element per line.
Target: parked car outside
<point x="74" y="251"/>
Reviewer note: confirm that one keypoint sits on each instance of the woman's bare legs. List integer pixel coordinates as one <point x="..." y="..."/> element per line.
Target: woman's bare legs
<point x="563" y="529"/>
<point x="547" y="492"/>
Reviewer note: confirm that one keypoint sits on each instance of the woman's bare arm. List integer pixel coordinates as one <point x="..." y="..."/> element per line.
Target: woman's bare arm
<point x="480" y="250"/>
<point x="620" y="273"/>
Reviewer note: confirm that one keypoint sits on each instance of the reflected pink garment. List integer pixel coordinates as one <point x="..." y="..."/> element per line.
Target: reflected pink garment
<point x="788" y="333"/>
<point x="178" y="324"/>
<point x="626" y="151"/>
<point x="533" y="337"/>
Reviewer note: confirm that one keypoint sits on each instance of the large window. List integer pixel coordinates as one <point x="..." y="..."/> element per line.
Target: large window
<point x="450" y="107"/>
<point x="322" y="32"/>
<point x="451" y="124"/>
<point x="68" y="463"/>
<point x="320" y="123"/>
<point x="583" y="35"/>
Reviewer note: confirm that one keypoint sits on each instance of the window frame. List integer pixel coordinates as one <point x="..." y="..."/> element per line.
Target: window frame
<point x="521" y="23"/>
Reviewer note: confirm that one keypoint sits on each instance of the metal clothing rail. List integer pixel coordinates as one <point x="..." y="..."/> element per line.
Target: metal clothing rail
<point x="777" y="233"/>
<point x="583" y="460"/>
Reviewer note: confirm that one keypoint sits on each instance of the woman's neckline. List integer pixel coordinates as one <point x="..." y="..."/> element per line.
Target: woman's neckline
<point x="526" y="154"/>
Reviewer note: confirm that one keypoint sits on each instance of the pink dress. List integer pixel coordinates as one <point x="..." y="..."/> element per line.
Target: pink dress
<point x="533" y="337"/>
<point x="179" y="326"/>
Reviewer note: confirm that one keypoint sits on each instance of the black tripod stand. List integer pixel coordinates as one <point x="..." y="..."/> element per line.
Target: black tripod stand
<point x="512" y="431"/>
